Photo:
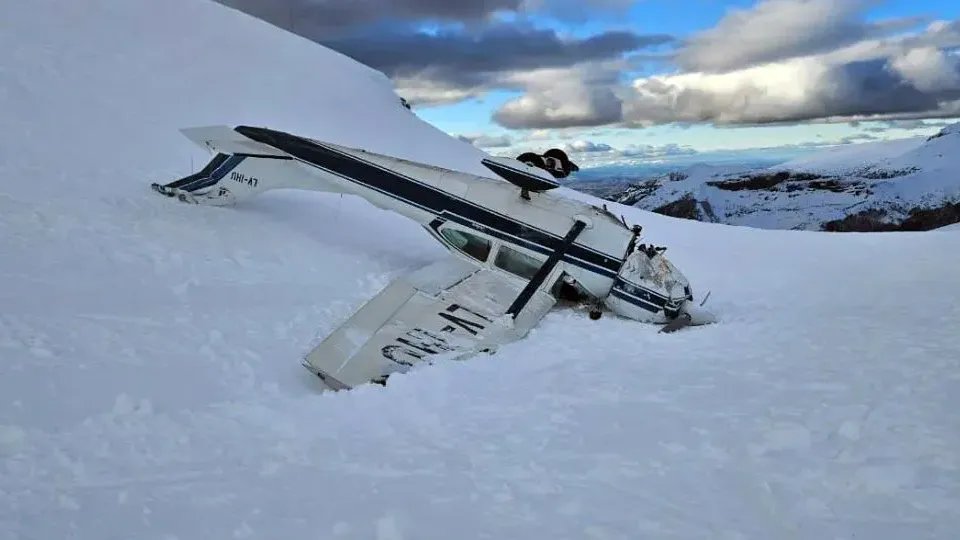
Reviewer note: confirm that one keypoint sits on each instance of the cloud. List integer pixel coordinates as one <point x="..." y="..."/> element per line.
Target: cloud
<point x="656" y="151"/>
<point x="451" y="65"/>
<point x="466" y="51"/>
<point x="487" y="141"/>
<point x="928" y="69"/>
<point x="778" y="61"/>
<point x="588" y="147"/>
<point x="593" y="151"/>
<point x="797" y="90"/>
<point x="913" y="76"/>
<point x="335" y="16"/>
<point x="579" y="10"/>
<point x="541" y="135"/>
<point x="557" y="98"/>
<point x="863" y="83"/>
<point x="804" y="60"/>
<point x="438" y="51"/>
<point x="909" y="125"/>
<point x="456" y="55"/>
<point x="775" y="30"/>
<point x="423" y="90"/>
<point x="325" y="18"/>
<point x="782" y="61"/>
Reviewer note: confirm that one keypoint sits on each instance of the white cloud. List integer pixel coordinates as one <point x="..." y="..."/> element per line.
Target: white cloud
<point x="782" y="61"/>
<point x="426" y="91"/>
<point x="775" y="30"/>
<point x="928" y="69"/>
<point x="908" y="77"/>
<point x="655" y="151"/>
<point x="599" y="152"/>
<point x="588" y="147"/>
<point x="581" y="96"/>
<point x="487" y="141"/>
<point x="749" y="95"/>
<point x="541" y="135"/>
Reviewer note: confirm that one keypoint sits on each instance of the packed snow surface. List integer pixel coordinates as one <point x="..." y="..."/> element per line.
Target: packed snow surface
<point x="151" y="385"/>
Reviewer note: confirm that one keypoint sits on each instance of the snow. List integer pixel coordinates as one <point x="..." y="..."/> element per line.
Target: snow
<point x="852" y="156"/>
<point x="151" y="382"/>
<point x="893" y="177"/>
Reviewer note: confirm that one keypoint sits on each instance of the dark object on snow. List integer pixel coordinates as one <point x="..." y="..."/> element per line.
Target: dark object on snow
<point x="651" y="251"/>
<point x="682" y="321"/>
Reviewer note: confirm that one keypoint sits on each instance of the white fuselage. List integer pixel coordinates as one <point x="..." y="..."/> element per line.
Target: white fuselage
<point x="471" y="215"/>
<point x="532" y="226"/>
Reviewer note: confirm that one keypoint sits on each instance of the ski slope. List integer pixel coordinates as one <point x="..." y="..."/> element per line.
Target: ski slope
<point x="150" y="351"/>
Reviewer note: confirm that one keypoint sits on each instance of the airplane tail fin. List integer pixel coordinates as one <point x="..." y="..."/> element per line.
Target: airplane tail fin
<point x="227" y="179"/>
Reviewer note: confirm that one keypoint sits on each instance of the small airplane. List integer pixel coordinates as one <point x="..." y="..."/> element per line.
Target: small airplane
<point x="516" y="249"/>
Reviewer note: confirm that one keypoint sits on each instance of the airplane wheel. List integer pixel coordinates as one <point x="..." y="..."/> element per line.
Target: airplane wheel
<point x="557" y="154"/>
<point x="534" y="160"/>
<point x="561" y="156"/>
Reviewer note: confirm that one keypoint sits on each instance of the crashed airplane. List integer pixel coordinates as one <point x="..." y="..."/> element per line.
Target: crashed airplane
<point x="516" y="249"/>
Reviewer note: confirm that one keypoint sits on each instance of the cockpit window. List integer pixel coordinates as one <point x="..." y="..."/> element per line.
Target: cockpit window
<point x="517" y="262"/>
<point x="474" y="246"/>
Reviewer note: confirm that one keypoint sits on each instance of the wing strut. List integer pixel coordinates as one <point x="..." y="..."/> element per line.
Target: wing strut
<point x="521" y="301"/>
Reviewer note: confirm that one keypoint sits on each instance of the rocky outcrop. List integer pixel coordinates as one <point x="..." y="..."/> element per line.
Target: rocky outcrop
<point x="878" y="220"/>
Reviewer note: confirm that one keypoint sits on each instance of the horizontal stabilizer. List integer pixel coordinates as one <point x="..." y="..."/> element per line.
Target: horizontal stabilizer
<point x="225" y="140"/>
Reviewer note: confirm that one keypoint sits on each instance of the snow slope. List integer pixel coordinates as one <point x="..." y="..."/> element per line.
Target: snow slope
<point x="849" y="157"/>
<point x="151" y="385"/>
<point x="889" y="178"/>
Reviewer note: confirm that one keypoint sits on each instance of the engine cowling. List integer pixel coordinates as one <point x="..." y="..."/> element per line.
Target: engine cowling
<point x="649" y="288"/>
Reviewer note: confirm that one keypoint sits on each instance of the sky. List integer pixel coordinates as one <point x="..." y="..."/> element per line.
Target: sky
<point x="616" y="81"/>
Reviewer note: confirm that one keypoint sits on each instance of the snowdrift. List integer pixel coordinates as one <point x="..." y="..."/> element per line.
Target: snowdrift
<point x="151" y="385"/>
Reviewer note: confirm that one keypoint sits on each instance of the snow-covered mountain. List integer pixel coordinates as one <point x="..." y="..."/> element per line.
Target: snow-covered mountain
<point x="150" y="378"/>
<point x="907" y="184"/>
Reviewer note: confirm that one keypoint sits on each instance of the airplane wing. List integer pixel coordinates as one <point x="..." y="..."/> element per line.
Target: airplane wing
<point x="449" y="309"/>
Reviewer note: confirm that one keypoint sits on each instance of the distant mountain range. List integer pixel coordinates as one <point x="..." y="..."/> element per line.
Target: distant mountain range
<point x="906" y="184"/>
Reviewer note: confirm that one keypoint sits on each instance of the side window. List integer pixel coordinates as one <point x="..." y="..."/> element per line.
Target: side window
<point x="516" y="262"/>
<point x="472" y="245"/>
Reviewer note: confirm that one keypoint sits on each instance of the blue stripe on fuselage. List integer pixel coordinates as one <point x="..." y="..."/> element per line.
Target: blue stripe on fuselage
<point x="429" y="198"/>
<point x="635" y="301"/>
